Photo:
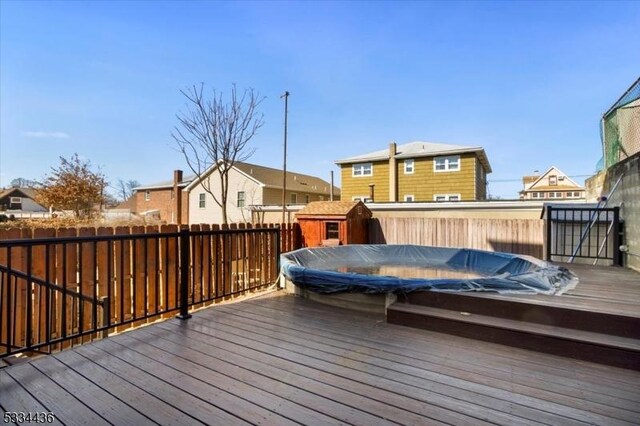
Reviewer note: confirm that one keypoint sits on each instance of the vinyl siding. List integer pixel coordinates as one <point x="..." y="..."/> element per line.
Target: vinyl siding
<point x="424" y="183"/>
<point x="273" y="197"/>
<point x="358" y="186"/>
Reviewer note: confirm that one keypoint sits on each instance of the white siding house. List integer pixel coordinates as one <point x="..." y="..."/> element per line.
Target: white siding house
<point x="251" y="185"/>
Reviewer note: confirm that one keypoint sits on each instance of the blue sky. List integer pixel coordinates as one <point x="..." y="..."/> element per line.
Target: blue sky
<point x="527" y="81"/>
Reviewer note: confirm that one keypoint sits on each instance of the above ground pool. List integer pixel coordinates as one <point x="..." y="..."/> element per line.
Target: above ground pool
<point x="406" y="268"/>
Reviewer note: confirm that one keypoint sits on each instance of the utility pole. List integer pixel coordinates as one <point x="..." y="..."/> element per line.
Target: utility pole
<point x="284" y="169"/>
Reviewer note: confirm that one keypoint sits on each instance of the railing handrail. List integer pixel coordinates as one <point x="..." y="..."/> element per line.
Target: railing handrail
<point x="51" y="286"/>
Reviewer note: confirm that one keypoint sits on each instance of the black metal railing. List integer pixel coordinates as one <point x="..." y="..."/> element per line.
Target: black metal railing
<point x="583" y="232"/>
<point x="63" y="291"/>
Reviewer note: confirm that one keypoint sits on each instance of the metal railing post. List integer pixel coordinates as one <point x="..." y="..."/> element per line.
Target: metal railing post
<point x="548" y="229"/>
<point x="184" y="275"/>
<point x="616" y="237"/>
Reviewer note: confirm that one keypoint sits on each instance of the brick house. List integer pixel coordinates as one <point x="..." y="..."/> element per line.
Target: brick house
<point x="164" y="200"/>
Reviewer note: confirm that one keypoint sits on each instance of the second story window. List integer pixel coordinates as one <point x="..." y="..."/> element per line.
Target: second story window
<point x="241" y="196"/>
<point x="449" y="163"/>
<point x="363" y="169"/>
<point x="408" y="167"/>
<point x="147" y="195"/>
<point x="408" y="198"/>
<point x="307" y="199"/>
<point x="294" y="198"/>
<point x="202" y="201"/>
<point x="553" y="180"/>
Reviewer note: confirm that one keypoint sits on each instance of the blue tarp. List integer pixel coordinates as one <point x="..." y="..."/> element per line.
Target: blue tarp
<point x="318" y="269"/>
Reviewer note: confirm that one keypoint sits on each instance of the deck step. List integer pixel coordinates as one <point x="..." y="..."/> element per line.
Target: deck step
<point x="546" y="310"/>
<point x="579" y="344"/>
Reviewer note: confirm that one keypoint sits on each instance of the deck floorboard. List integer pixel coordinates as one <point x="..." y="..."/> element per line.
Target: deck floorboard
<point x="278" y="360"/>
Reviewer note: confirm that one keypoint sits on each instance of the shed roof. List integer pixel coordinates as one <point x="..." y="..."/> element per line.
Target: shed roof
<point x="329" y="208"/>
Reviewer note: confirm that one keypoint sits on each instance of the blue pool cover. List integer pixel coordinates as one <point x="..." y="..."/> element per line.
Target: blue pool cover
<point x="319" y="270"/>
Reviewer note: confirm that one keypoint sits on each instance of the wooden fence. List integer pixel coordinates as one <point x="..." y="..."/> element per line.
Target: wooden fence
<point x="60" y="287"/>
<point x="522" y="236"/>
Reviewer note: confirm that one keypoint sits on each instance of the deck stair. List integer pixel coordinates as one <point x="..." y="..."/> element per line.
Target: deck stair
<point x="598" y="335"/>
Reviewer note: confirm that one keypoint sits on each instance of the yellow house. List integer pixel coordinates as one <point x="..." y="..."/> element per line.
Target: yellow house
<point x="416" y="171"/>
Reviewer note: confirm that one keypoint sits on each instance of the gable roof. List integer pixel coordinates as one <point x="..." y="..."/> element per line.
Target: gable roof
<point x="27" y="192"/>
<point x="420" y="149"/>
<point x="330" y="208"/>
<point x="535" y="186"/>
<point x="272" y="178"/>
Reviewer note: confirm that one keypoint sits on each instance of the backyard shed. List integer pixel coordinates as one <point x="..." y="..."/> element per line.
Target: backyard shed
<point x="330" y="223"/>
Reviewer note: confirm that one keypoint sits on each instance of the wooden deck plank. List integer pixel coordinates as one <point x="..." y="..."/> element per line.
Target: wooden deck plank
<point x="500" y="357"/>
<point x="329" y="393"/>
<point x="543" y="389"/>
<point x="15" y="398"/>
<point x="194" y="378"/>
<point x="150" y="406"/>
<point x="470" y="392"/>
<point x="90" y="394"/>
<point x="279" y="359"/>
<point x="460" y="401"/>
<point x="63" y="404"/>
<point x="194" y="409"/>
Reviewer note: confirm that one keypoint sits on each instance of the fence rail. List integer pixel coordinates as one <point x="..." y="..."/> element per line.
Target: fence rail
<point x="59" y="288"/>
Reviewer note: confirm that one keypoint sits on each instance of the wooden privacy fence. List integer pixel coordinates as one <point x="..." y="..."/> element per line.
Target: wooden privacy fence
<point x="522" y="236"/>
<point x="64" y="287"/>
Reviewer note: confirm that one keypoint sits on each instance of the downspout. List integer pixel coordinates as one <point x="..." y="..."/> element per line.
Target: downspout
<point x="393" y="173"/>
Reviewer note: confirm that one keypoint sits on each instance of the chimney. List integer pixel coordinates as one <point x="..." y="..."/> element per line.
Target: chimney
<point x="393" y="173"/>
<point x="177" y="196"/>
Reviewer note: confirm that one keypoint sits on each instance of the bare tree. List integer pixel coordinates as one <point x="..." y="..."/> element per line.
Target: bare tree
<point x="214" y="135"/>
<point x="125" y="188"/>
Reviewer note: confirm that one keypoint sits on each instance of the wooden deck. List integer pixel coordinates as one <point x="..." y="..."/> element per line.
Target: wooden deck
<point x="602" y="288"/>
<point x="279" y="359"/>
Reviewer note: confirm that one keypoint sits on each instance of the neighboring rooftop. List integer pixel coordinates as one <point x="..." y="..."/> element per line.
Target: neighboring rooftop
<point x="329" y="208"/>
<point x="419" y="149"/>
<point x="166" y="184"/>
<point x="272" y="178"/>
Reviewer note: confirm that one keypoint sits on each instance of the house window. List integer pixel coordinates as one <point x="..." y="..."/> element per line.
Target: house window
<point x="294" y="198"/>
<point x="363" y="169"/>
<point x="240" y="202"/>
<point x="555" y="195"/>
<point x="202" y="202"/>
<point x="147" y="195"/>
<point x="306" y="199"/>
<point x="16" y="200"/>
<point x="332" y="231"/>
<point x="553" y="180"/>
<point x="536" y="195"/>
<point x="363" y="198"/>
<point x="408" y="198"/>
<point x="574" y="194"/>
<point x="446" y="197"/>
<point x="447" y="164"/>
<point x="408" y="167"/>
